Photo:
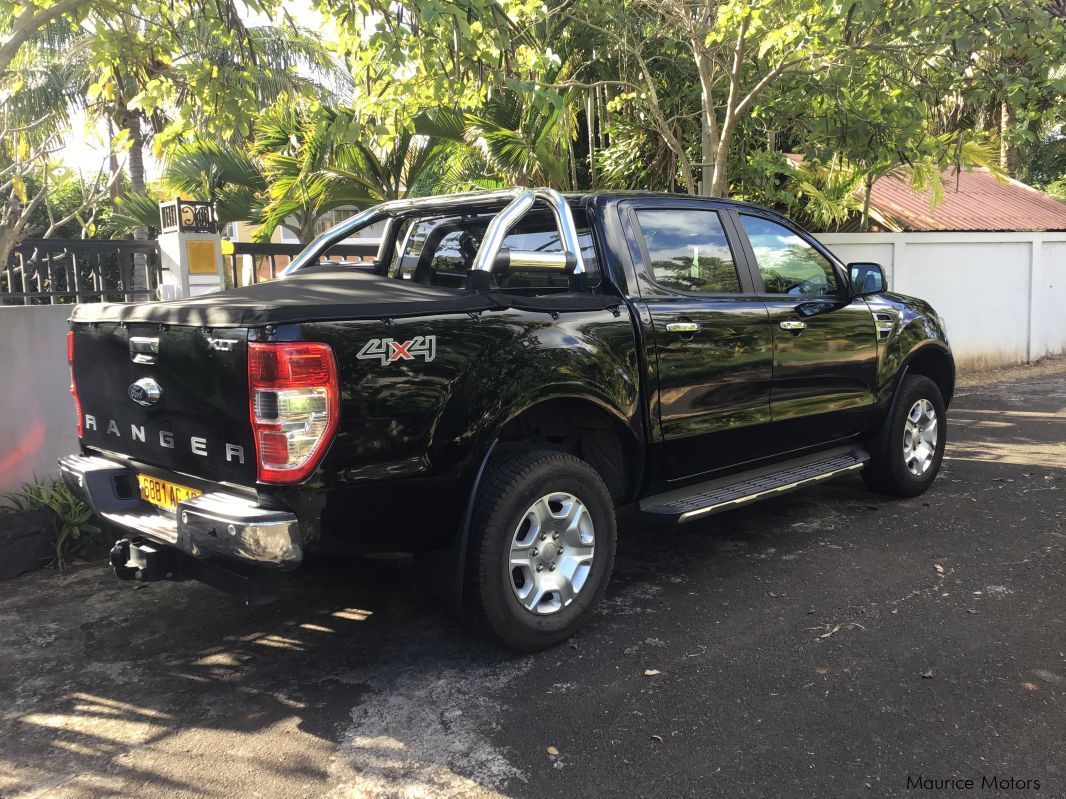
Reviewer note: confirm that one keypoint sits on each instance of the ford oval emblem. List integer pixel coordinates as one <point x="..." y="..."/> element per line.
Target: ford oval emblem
<point x="145" y="391"/>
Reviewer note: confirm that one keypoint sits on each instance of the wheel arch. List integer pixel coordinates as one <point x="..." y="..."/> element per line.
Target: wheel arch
<point x="518" y="428"/>
<point x="933" y="360"/>
<point x="580" y="425"/>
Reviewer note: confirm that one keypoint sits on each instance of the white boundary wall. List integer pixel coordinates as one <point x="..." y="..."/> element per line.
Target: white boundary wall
<point x="36" y="409"/>
<point x="1003" y="295"/>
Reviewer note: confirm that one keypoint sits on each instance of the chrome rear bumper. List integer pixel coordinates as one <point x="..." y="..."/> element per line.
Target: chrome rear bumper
<point x="215" y="524"/>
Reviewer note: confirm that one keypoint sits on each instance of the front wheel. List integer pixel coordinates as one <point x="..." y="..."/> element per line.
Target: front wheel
<point x="907" y="454"/>
<point x="542" y="546"/>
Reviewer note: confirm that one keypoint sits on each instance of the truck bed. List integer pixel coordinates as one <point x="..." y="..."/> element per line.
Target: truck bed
<point x="319" y="293"/>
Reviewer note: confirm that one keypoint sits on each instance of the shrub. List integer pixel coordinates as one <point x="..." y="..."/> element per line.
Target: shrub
<point x="73" y="523"/>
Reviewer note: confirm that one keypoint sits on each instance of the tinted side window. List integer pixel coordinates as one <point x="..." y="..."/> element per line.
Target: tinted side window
<point x="688" y="250"/>
<point x="457" y="249"/>
<point x="787" y="263"/>
<point x="548" y="241"/>
<point x="441" y="250"/>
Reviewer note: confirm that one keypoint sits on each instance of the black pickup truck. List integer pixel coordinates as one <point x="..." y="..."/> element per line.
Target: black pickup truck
<point x="512" y="368"/>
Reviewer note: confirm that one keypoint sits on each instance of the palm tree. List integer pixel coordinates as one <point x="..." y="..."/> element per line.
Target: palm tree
<point x="224" y="173"/>
<point x="511" y="140"/>
<point x="301" y="162"/>
<point x="55" y="73"/>
<point x="319" y="159"/>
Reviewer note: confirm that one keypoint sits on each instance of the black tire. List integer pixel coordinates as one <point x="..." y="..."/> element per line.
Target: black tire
<point x="887" y="470"/>
<point x="511" y="484"/>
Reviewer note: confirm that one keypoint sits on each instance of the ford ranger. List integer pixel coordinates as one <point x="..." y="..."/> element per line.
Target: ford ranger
<point x="512" y="368"/>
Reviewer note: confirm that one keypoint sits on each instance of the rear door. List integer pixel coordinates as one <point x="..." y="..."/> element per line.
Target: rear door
<point x="710" y="343"/>
<point x="824" y="341"/>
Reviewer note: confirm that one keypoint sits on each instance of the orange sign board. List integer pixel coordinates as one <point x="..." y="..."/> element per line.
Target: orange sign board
<point x="202" y="258"/>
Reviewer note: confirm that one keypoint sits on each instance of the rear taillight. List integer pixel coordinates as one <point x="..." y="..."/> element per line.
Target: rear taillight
<point x="294" y="405"/>
<point x="73" y="385"/>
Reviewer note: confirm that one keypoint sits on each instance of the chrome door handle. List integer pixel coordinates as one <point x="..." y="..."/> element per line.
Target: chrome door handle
<point x="793" y="324"/>
<point x="683" y="327"/>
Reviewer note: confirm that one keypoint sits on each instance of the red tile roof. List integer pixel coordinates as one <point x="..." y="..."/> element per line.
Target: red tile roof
<point x="972" y="201"/>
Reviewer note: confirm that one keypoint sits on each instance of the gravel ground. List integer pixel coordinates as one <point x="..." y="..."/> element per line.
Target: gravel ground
<point x="828" y="643"/>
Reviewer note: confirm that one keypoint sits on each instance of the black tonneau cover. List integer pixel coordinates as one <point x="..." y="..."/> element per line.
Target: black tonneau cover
<point x="328" y="293"/>
<point x="315" y="293"/>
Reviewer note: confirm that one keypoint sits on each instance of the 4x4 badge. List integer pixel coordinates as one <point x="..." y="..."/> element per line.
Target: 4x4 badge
<point x="389" y="350"/>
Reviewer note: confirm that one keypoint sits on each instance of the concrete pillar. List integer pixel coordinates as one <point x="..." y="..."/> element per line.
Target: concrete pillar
<point x="1035" y="349"/>
<point x="190" y="250"/>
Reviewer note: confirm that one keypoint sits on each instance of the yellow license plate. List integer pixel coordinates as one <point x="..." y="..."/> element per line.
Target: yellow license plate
<point x="163" y="493"/>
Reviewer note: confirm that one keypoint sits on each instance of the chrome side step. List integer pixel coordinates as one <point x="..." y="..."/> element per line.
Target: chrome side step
<point x="703" y="499"/>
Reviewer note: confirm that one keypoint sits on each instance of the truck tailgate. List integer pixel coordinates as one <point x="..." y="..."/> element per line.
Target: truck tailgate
<point x="174" y="397"/>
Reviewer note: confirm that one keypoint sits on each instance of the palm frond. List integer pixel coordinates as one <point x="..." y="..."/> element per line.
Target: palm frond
<point x="135" y="211"/>
<point x="203" y="168"/>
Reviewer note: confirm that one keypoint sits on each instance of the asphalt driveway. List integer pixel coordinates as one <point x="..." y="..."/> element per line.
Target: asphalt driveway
<point x="829" y="643"/>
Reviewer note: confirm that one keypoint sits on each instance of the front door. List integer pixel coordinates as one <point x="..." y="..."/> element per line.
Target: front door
<point x="824" y="341"/>
<point x="709" y="344"/>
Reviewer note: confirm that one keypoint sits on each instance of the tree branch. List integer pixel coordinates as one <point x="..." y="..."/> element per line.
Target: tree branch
<point x="29" y="22"/>
<point x="769" y="78"/>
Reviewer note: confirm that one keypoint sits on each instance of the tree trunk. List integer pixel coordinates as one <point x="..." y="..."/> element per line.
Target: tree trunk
<point x="9" y="212"/>
<point x="665" y="128"/>
<point x="568" y="152"/>
<point x="307" y="228"/>
<point x="707" y="157"/>
<point x="139" y="284"/>
<point x="599" y="97"/>
<point x="868" y="190"/>
<point x="720" y="178"/>
<point x="1008" y="152"/>
<point x="117" y="189"/>
<point x="708" y="121"/>
<point x="590" y="122"/>
<point x="733" y="107"/>
<point x="136" y="164"/>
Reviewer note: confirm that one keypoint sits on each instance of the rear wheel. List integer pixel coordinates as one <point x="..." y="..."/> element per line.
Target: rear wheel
<point x="542" y="546"/>
<point x="907" y="454"/>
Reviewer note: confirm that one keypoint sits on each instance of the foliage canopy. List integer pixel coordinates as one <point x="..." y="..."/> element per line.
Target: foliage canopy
<point x="279" y="123"/>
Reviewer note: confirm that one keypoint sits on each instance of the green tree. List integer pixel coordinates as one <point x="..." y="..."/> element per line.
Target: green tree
<point x="158" y="71"/>
<point x="416" y="54"/>
<point x="514" y="138"/>
<point x="303" y="160"/>
<point x="317" y="158"/>
<point x="946" y="62"/>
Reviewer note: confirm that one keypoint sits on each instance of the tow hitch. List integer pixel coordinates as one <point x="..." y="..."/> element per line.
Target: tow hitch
<point x="145" y="561"/>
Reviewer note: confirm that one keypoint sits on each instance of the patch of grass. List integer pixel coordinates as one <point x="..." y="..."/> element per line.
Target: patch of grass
<point x="73" y="523"/>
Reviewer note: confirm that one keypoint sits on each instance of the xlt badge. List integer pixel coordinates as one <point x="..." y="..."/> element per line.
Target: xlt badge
<point x="145" y="391"/>
<point x="222" y="344"/>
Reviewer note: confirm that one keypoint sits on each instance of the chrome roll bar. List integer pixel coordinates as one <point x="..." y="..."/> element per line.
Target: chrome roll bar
<point x="521" y="200"/>
<point x="498" y="228"/>
<point x="506" y="219"/>
<point x="564" y="220"/>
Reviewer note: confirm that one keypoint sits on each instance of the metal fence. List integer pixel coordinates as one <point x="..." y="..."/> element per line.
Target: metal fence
<point x="254" y="263"/>
<point x="62" y="271"/>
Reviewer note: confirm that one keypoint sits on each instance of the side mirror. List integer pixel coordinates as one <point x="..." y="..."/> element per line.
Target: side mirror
<point x="867" y="278"/>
